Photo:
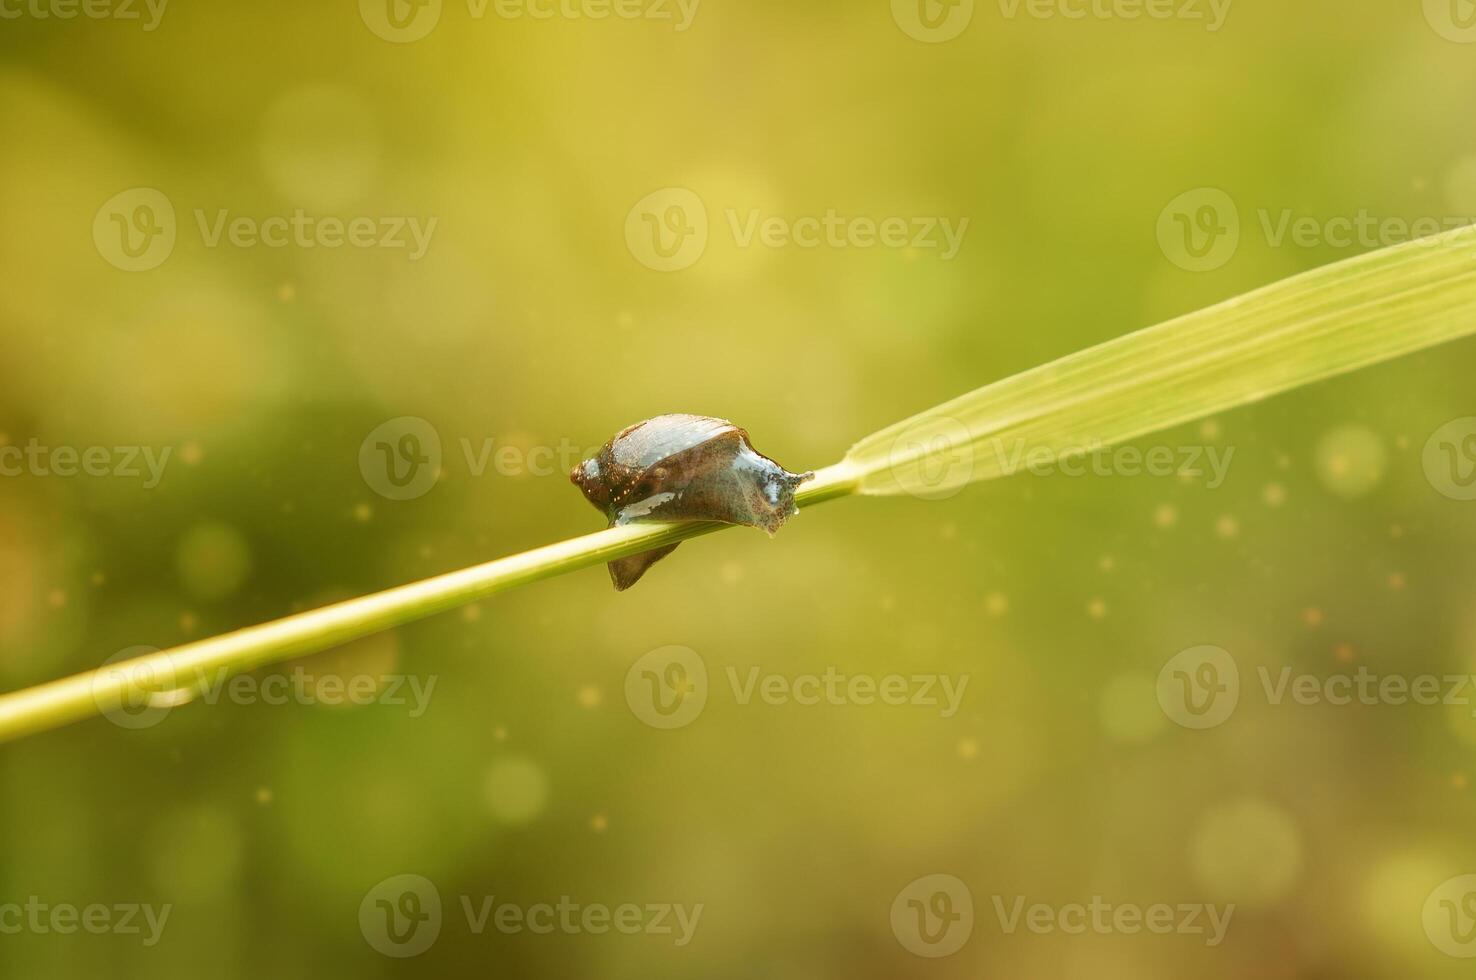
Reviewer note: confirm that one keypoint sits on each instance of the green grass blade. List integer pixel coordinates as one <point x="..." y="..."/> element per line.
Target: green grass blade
<point x="1323" y="323"/>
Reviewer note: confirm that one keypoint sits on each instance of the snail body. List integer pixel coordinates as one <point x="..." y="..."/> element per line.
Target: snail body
<point x="684" y="468"/>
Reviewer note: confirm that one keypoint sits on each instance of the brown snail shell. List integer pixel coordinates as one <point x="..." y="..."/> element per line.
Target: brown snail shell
<point x="684" y="468"/>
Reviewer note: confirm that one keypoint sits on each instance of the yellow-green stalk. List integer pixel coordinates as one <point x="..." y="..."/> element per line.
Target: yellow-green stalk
<point x="1313" y="326"/>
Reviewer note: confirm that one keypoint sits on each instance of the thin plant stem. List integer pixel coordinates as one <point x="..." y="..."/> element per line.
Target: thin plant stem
<point x="1332" y="320"/>
<point x="164" y="677"/>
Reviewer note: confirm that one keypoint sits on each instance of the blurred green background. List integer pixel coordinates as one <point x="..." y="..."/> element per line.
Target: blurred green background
<point x="535" y="319"/>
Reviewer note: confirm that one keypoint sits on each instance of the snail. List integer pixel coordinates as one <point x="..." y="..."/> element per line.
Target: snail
<point x="684" y="468"/>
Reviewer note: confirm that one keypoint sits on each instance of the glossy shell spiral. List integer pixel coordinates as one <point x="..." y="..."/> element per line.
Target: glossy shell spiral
<point x="684" y="468"/>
